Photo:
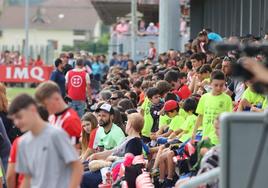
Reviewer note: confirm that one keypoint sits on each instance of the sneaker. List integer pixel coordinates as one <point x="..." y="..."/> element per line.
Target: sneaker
<point x="168" y="183"/>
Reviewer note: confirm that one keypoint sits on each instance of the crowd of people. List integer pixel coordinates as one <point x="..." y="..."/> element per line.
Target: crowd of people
<point x="123" y="28"/>
<point x="15" y="58"/>
<point x="125" y="123"/>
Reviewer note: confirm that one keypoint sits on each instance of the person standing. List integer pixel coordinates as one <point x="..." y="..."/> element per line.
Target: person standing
<point x="66" y="66"/>
<point x="51" y="160"/>
<point x="152" y="51"/>
<point x="39" y="61"/>
<point x="58" y="77"/>
<point x="114" y="61"/>
<point x="78" y="87"/>
<point x="48" y="94"/>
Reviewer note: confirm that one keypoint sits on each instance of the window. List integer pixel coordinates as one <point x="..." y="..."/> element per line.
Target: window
<point x="79" y="32"/>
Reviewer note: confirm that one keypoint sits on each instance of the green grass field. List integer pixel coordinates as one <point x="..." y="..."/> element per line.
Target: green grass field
<point x="14" y="91"/>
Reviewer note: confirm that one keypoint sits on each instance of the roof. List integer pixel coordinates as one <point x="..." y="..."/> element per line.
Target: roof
<point x="67" y="3"/>
<point x="52" y="16"/>
<point x="110" y="10"/>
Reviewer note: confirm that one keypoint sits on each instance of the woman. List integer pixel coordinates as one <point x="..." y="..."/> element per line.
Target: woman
<point x="132" y="144"/>
<point x="11" y="130"/>
<point x="88" y="142"/>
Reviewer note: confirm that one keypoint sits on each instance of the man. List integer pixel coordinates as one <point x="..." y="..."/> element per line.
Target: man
<point x="109" y="134"/>
<point x="66" y="66"/>
<point x="104" y="67"/>
<point x="116" y="97"/>
<point x="235" y="88"/>
<point x="172" y="58"/>
<point x="196" y="60"/>
<point x="48" y="94"/>
<point x="152" y="51"/>
<point x="114" y="61"/>
<point x="71" y="60"/>
<point x="50" y="161"/>
<point x="124" y="61"/>
<point x="152" y="29"/>
<point x="58" y="77"/>
<point x="78" y="87"/>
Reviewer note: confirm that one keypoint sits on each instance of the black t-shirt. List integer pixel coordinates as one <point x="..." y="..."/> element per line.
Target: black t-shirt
<point x="67" y="68"/>
<point x="134" y="146"/>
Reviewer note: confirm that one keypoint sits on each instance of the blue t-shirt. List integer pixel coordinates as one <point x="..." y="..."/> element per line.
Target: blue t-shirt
<point x="58" y="77"/>
<point x="96" y="68"/>
<point x="215" y="37"/>
<point x="124" y="64"/>
<point x="114" y="62"/>
<point x="104" y="68"/>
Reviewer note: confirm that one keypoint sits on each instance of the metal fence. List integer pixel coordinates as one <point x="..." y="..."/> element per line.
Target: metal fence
<point x="47" y="52"/>
<point x="122" y="45"/>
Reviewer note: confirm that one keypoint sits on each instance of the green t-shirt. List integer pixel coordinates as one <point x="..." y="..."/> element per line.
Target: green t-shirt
<point x="188" y="127"/>
<point x="148" y="119"/>
<point x="164" y="120"/>
<point x="210" y="107"/>
<point x="112" y="139"/>
<point x="176" y="123"/>
<point x="145" y="103"/>
<point x="252" y="97"/>
<point x="182" y="113"/>
<point x="265" y="103"/>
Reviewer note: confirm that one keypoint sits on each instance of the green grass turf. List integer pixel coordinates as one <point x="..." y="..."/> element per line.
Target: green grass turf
<point x="15" y="91"/>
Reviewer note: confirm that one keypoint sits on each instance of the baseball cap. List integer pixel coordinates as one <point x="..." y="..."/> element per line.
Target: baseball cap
<point x="106" y="107"/>
<point x="170" y="105"/>
<point x="151" y="24"/>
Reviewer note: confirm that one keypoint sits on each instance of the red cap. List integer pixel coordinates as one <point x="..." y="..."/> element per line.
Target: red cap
<point x="170" y="105"/>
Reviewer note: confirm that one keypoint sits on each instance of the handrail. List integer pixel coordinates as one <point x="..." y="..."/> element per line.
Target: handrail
<point x="206" y="177"/>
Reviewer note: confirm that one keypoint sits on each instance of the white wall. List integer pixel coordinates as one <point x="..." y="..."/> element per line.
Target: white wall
<point x="15" y="37"/>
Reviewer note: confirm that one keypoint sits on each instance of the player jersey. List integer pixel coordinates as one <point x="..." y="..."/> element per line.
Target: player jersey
<point x="76" y="85"/>
<point x="12" y="159"/>
<point x="69" y="121"/>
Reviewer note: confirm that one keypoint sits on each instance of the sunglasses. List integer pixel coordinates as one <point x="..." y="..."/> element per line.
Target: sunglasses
<point x="114" y="98"/>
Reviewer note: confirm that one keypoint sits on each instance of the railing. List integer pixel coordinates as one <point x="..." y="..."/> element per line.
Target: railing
<point x="201" y="179"/>
<point x="151" y="2"/>
<point x="46" y="52"/>
<point x="122" y="45"/>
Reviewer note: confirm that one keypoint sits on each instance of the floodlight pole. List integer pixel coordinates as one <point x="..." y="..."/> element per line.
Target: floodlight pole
<point x="26" y="25"/>
<point x="133" y="28"/>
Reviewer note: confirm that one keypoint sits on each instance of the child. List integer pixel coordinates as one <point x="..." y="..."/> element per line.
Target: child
<point x="211" y="105"/>
<point x="203" y="86"/>
<point x="89" y="142"/>
<point x="189" y="107"/>
<point x="151" y="109"/>
<point x="183" y="91"/>
<point x="156" y="108"/>
<point x="164" y="119"/>
<point x="171" y="108"/>
<point x="167" y="158"/>
<point x="250" y="99"/>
